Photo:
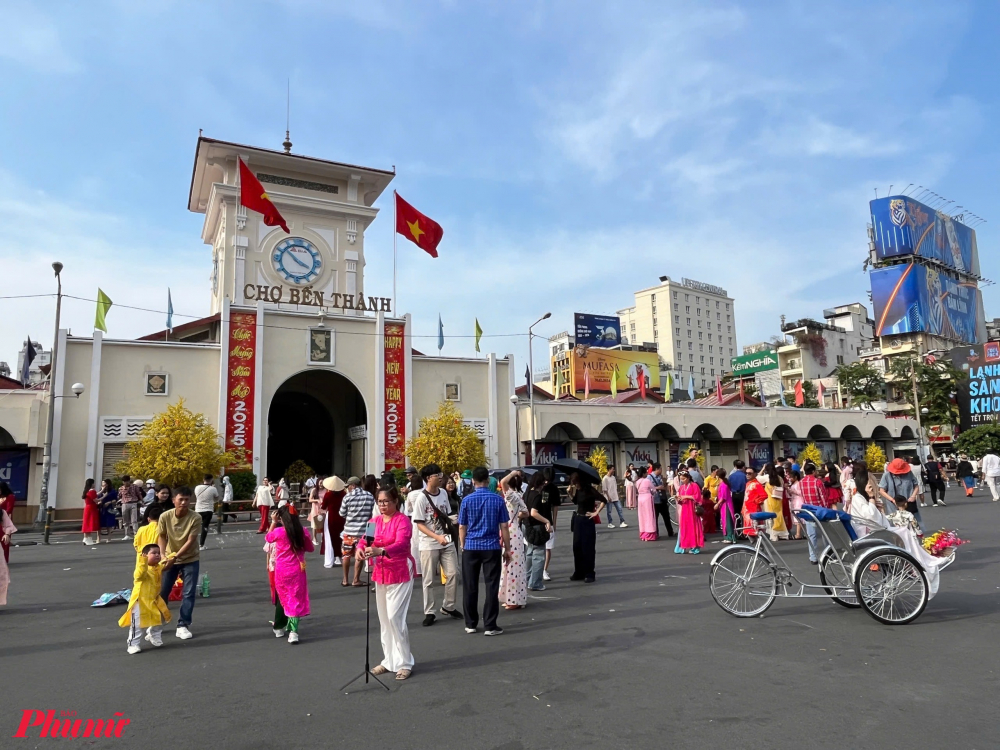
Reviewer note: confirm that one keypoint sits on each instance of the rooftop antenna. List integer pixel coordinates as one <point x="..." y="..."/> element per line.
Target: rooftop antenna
<point x="890" y="190"/>
<point x="876" y="193"/>
<point x="288" y="115"/>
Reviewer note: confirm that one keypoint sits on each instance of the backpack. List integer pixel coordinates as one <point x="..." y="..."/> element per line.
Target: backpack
<point x="466" y="488"/>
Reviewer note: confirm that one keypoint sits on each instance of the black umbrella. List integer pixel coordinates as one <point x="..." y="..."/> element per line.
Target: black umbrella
<point x="572" y="464"/>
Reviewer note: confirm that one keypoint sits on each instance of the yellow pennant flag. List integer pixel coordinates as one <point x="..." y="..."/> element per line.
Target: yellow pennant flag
<point x="103" y="305"/>
<point x="614" y="383"/>
<point x="479" y="334"/>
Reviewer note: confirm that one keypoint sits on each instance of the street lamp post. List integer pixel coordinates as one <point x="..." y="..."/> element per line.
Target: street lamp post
<point x="517" y="430"/>
<point x="47" y="452"/>
<point x="531" y="384"/>
<point x="77" y="389"/>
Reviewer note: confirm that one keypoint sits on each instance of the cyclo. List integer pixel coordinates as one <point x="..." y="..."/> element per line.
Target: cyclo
<point x="874" y="572"/>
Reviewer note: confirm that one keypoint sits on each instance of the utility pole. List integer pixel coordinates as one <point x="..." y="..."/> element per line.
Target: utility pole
<point x="916" y="409"/>
<point x="44" y="513"/>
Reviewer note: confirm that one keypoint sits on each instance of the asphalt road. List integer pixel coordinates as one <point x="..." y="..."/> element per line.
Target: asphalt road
<point x="641" y="659"/>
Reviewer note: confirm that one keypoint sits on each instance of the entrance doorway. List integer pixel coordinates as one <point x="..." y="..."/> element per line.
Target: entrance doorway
<point x="309" y="419"/>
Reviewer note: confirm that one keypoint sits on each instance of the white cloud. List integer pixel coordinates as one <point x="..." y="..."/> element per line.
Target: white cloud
<point x="32" y="40"/>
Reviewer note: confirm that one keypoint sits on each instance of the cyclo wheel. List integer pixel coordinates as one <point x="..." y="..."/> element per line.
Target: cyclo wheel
<point x="890" y="585"/>
<point x="832" y="574"/>
<point x="743" y="582"/>
<point x="672" y="511"/>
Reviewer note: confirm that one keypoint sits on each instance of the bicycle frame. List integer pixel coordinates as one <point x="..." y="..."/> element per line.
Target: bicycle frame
<point x="786" y="577"/>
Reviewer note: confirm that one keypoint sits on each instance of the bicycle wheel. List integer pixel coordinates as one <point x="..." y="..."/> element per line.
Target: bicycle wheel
<point x="891" y="586"/>
<point x="832" y="574"/>
<point x="743" y="582"/>
<point x="672" y="512"/>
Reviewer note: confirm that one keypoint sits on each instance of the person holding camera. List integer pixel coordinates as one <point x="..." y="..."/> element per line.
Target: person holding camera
<point x="436" y="541"/>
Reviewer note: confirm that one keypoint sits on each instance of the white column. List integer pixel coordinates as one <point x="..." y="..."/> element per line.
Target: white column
<point x="512" y="414"/>
<point x="241" y="263"/>
<point x="224" y="369"/>
<point x="93" y="414"/>
<point x="376" y="421"/>
<point x="57" y="388"/>
<point x="408" y="359"/>
<point x="259" y="419"/>
<point x="492" y="438"/>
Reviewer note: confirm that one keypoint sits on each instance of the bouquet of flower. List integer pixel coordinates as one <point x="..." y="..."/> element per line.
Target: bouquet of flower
<point x="941" y="541"/>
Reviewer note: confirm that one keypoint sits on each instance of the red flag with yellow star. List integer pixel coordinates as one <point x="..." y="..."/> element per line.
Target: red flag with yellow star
<point x="423" y="232"/>
<point x="254" y="197"/>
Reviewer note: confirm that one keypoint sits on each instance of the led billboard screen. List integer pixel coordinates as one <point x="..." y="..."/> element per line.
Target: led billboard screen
<point x="909" y="298"/>
<point x="903" y="226"/>
<point x="597" y="330"/>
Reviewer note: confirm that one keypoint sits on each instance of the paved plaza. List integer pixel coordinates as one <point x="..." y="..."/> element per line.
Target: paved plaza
<point x="642" y="659"/>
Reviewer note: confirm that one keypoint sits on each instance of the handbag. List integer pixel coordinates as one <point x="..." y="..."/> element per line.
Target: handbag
<point x="534" y="531"/>
<point x="449" y="526"/>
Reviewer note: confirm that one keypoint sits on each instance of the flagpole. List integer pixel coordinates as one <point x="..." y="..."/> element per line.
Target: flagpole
<point x="394" y="252"/>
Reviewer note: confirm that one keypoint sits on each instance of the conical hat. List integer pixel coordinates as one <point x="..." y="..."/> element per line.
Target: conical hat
<point x="334" y="484"/>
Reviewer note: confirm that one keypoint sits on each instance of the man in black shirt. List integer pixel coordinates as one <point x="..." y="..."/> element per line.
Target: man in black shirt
<point x="551" y="491"/>
<point x="540" y="509"/>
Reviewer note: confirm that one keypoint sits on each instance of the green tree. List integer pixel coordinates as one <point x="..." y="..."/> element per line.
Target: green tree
<point x="937" y="381"/>
<point x="861" y="382"/>
<point x="445" y="440"/>
<point x="299" y="471"/>
<point x="176" y="447"/>
<point x="244" y="483"/>
<point x="979" y="440"/>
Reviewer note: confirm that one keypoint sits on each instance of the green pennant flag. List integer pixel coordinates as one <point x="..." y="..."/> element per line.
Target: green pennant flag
<point x="614" y="383"/>
<point x="479" y="334"/>
<point x="103" y="305"/>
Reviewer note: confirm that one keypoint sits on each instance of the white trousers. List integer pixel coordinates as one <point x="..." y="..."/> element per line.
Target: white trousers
<point x="393" y="600"/>
<point x="447" y="558"/>
<point x="328" y="542"/>
<point x="135" y="632"/>
<point x="991" y="482"/>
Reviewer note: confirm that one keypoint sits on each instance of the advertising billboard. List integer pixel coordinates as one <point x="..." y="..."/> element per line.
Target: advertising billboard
<point x="597" y="330"/>
<point x="627" y="367"/>
<point x="547" y="453"/>
<point x="909" y="298"/>
<point x="14" y="468"/>
<point x="903" y="226"/>
<point x="641" y="454"/>
<point x="978" y="397"/>
<point x="759" y="454"/>
<point x="748" y="365"/>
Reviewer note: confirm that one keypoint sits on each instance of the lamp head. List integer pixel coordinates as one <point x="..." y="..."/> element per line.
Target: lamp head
<point x="925" y="411"/>
<point x="513" y="398"/>
<point x="77" y="389"/>
<point x="547" y="316"/>
<point x="57" y="267"/>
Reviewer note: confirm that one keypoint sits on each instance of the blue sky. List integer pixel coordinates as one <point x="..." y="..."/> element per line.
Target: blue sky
<point x="573" y="151"/>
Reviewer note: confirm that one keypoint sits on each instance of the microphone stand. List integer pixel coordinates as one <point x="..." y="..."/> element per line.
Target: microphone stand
<point x="368" y="619"/>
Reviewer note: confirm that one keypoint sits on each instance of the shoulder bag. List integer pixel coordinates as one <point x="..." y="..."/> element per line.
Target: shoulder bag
<point x="534" y="531"/>
<point x="449" y="526"/>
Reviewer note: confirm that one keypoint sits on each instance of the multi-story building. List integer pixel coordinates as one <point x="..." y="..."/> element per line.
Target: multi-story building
<point x="814" y="350"/>
<point x="691" y="324"/>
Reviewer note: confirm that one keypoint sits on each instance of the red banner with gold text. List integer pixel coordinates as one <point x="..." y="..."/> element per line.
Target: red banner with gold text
<point x="241" y="372"/>
<point x="395" y="405"/>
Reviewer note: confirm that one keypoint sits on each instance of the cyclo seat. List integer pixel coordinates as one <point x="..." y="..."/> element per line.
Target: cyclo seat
<point x="763" y="515"/>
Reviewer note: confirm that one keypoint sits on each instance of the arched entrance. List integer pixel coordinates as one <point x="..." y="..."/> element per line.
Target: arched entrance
<point x="310" y="418"/>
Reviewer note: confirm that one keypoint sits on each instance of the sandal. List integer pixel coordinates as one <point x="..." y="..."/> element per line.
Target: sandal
<point x="402" y="674"/>
<point x="379" y="670"/>
<point x="358" y="585"/>
<point x="342" y="583"/>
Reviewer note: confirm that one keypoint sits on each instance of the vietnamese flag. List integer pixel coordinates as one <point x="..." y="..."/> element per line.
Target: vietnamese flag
<point x="423" y="232"/>
<point x="254" y="197"/>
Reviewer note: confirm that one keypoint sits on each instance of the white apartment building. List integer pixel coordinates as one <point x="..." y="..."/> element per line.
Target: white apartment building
<point x="693" y="326"/>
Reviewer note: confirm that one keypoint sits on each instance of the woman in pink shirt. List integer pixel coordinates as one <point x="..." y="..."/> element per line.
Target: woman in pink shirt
<point x="393" y="576"/>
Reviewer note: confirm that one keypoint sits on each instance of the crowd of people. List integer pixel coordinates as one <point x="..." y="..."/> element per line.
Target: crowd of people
<point x="481" y="531"/>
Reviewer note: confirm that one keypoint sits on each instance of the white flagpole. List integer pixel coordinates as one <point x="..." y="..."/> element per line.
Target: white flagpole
<point x="394" y="253"/>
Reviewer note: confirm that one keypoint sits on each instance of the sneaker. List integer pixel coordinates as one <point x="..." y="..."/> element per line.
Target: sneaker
<point x="201" y="546"/>
<point x="536" y="588"/>
<point x="623" y="525"/>
<point x="429" y="620"/>
<point x="278" y="633"/>
<point x="589" y="579"/>
<point x="452" y="613"/>
<point x="126" y="538"/>
<point x="611" y="525"/>
<point x="337" y="561"/>
<point x="546" y="576"/>
<point x="183" y="633"/>
<point x="293" y="637"/>
<point x="155" y="639"/>
<point x="942" y="502"/>
<point x="470" y="630"/>
<point x="134" y="649"/>
<point x="495" y="631"/>
<point x="924" y="505"/>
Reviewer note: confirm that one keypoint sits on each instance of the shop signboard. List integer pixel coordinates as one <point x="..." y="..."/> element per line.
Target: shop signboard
<point x="904" y="226"/>
<point x="641" y="454"/>
<point x="241" y="369"/>
<point x="395" y="402"/>
<point x="14" y="467"/>
<point x="597" y="330"/>
<point x="909" y="298"/>
<point x="759" y="454"/>
<point x="627" y="366"/>
<point x="748" y="365"/>
<point x="547" y="453"/>
<point x="978" y="397"/>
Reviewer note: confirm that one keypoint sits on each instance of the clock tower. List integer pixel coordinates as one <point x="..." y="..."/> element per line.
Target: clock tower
<point x="327" y="205"/>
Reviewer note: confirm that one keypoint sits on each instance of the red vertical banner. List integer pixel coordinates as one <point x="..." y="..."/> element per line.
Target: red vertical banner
<point x="395" y="403"/>
<point x="241" y="358"/>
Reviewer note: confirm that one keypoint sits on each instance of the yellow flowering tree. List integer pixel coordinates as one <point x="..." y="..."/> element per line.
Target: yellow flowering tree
<point x="176" y="447"/>
<point x="875" y="457"/>
<point x="443" y="439"/>
<point x="598" y="458"/>
<point x="810" y="453"/>
<point x="690" y="453"/>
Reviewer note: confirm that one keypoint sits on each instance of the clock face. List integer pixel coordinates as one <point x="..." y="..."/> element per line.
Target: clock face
<point x="297" y="260"/>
